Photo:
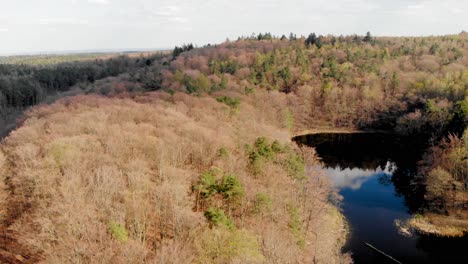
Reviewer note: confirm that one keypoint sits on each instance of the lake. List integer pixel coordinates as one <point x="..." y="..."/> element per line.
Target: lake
<point x="374" y="173"/>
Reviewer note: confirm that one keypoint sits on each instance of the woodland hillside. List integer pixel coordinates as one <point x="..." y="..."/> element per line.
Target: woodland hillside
<point x="163" y="178"/>
<point x="411" y="85"/>
<point x="188" y="158"/>
<point x="416" y="86"/>
<point x="407" y="84"/>
<point x="26" y="81"/>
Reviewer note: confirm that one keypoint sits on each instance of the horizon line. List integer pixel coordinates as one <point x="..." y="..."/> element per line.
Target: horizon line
<point x="78" y="51"/>
<point x="116" y="50"/>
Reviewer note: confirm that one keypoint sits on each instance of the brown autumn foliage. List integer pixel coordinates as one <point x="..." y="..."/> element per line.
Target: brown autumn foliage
<point x="347" y="82"/>
<point x="90" y="179"/>
<point x="3" y="191"/>
<point x="445" y="174"/>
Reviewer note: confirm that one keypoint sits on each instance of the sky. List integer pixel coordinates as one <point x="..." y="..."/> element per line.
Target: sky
<point x="31" y="26"/>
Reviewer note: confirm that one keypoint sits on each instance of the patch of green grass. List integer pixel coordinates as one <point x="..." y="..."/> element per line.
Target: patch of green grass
<point x="262" y="203"/>
<point x="231" y="188"/>
<point x="288" y="119"/>
<point x="249" y="90"/>
<point x="223" y="152"/>
<point x="295" y="225"/>
<point x="262" y="151"/>
<point x="214" y="181"/>
<point x="118" y="231"/>
<point x="233" y="103"/>
<point x="207" y="184"/>
<point x="217" y="217"/>
<point x="295" y="166"/>
<point x="220" y="245"/>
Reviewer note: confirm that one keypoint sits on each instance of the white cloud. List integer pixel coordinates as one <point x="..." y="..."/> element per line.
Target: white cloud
<point x="167" y="11"/>
<point x="457" y="10"/>
<point x="354" y="178"/>
<point x="62" y="21"/>
<point x="90" y="24"/>
<point x="101" y="2"/>
<point x="417" y="6"/>
<point x="178" y="19"/>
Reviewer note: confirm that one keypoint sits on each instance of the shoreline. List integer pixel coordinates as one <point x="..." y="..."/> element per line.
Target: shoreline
<point x="331" y="130"/>
<point x="439" y="225"/>
<point x="332" y="241"/>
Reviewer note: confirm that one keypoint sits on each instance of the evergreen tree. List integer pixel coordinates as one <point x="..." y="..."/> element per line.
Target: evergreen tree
<point x="368" y="37"/>
<point x="311" y="39"/>
<point x="292" y="36"/>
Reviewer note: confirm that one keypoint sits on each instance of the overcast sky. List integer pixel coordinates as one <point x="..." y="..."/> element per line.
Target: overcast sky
<point x="64" y="25"/>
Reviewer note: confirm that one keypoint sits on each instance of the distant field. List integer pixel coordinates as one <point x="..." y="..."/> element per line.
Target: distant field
<point x="50" y="59"/>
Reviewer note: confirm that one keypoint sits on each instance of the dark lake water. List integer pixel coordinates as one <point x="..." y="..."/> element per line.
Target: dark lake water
<point x="373" y="173"/>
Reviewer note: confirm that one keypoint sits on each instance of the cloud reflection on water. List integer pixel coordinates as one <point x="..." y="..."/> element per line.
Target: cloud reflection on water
<point x="353" y="178"/>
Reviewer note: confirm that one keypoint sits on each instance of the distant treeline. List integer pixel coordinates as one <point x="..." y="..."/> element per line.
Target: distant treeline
<point x="411" y="85"/>
<point x="51" y="59"/>
<point x="26" y="85"/>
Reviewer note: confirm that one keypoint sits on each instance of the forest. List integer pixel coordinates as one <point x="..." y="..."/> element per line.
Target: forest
<point x="53" y="59"/>
<point x="24" y="85"/>
<point x="171" y="156"/>
<point x="416" y="86"/>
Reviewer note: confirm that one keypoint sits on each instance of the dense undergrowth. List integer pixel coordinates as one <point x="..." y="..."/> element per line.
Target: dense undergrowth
<point x="164" y="178"/>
